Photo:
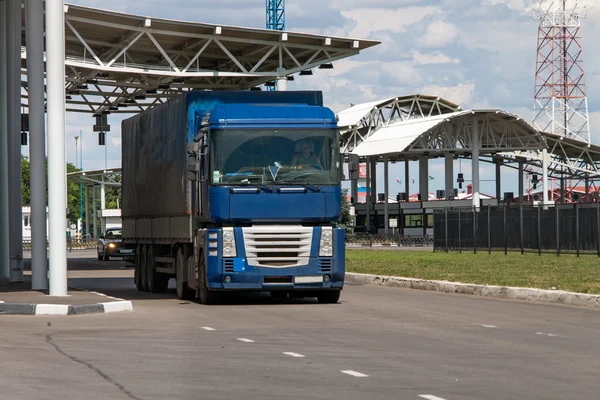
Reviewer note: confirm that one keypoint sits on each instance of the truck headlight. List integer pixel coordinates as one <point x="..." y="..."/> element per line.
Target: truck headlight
<point x="229" y="243"/>
<point x="326" y="245"/>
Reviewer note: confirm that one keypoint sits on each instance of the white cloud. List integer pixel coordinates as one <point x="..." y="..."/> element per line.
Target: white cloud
<point x="402" y="73"/>
<point x="370" y="20"/>
<point x="461" y="93"/>
<point x="439" y="34"/>
<point x="436" y="57"/>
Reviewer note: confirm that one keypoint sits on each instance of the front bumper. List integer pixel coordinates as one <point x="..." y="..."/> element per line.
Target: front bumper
<point x="248" y="278"/>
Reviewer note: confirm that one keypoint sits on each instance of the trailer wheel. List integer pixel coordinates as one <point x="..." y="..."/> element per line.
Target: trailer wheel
<point x="157" y="282"/>
<point x="207" y="297"/>
<point x="183" y="290"/>
<point x="144" y="269"/>
<point x="137" y="277"/>
<point x="329" y="296"/>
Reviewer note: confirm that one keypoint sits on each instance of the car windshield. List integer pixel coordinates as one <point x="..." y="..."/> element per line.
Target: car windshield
<point x="275" y="156"/>
<point x="113" y="234"/>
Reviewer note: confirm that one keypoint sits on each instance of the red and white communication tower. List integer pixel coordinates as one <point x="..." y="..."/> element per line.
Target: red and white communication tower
<point x="560" y="104"/>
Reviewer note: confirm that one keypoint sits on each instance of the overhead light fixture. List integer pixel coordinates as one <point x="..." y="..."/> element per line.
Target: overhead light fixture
<point x="270" y="84"/>
<point x="326" y="66"/>
<point x="306" y="72"/>
<point x="68" y="97"/>
<point x="72" y="91"/>
<point x="122" y="105"/>
<point x="164" y="86"/>
<point x="103" y="75"/>
<point x="291" y="78"/>
<point x="150" y="91"/>
<point x="106" y="112"/>
<point x="140" y="96"/>
<point x="129" y="101"/>
<point x="82" y="86"/>
<point x="91" y="81"/>
<point x="113" y="108"/>
<point x="178" y="80"/>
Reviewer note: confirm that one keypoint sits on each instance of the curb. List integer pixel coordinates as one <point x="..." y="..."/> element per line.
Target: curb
<point x="64" y="309"/>
<point x="504" y="292"/>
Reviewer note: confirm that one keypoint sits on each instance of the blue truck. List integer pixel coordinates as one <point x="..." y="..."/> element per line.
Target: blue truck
<point x="235" y="191"/>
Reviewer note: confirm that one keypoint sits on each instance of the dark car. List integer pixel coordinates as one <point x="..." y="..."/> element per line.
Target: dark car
<point x="110" y="244"/>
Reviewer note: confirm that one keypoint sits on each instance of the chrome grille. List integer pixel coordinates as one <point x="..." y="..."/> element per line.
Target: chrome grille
<point x="278" y="245"/>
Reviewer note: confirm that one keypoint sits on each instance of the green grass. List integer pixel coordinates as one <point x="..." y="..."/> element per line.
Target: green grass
<point x="566" y="272"/>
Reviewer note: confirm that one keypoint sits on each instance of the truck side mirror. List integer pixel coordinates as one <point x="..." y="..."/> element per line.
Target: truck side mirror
<point x="353" y="167"/>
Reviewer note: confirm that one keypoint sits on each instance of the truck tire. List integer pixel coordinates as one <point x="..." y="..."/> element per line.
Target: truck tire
<point x="329" y="296"/>
<point x="157" y="282"/>
<point x="143" y="269"/>
<point x="137" y="276"/>
<point x="207" y="297"/>
<point x="183" y="290"/>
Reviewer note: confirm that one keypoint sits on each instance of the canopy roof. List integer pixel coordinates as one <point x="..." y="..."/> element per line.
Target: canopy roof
<point x="498" y="131"/>
<point x="112" y="57"/>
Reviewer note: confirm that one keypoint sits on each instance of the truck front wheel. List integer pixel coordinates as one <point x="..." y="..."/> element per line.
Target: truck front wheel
<point x="207" y="297"/>
<point x="329" y="296"/>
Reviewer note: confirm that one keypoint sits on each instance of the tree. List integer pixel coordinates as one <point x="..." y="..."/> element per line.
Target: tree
<point x="72" y="188"/>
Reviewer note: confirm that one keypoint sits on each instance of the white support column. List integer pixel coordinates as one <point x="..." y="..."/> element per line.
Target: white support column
<point x="102" y="205"/>
<point x="449" y="174"/>
<point x="424" y="178"/>
<point x="498" y="162"/>
<point x="282" y="84"/>
<point x="368" y="194"/>
<point x="386" y="190"/>
<point x="520" y="183"/>
<point x="94" y="213"/>
<point x="407" y="179"/>
<point x="4" y="188"/>
<point x="37" y="147"/>
<point x="545" y="176"/>
<point x="87" y="211"/>
<point x="13" y="86"/>
<point x="475" y="162"/>
<point x="57" y="172"/>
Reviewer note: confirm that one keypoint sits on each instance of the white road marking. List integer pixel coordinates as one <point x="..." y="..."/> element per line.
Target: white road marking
<point x="241" y="339"/>
<point x="486" y="326"/>
<point x="547" y="334"/>
<point x="208" y="328"/>
<point x="354" y="373"/>
<point x="430" y="397"/>
<point x="292" y="354"/>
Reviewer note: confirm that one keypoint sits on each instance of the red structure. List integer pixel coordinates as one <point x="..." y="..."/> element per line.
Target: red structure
<point x="560" y="105"/>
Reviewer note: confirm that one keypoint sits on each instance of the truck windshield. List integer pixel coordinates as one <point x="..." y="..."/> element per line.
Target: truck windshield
<point x="275" y="157"/>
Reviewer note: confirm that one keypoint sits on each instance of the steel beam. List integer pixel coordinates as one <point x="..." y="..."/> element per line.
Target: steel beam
<point x="386" y="190"/>
<point x="57" y="178"/>
<point x="424" y="178"/>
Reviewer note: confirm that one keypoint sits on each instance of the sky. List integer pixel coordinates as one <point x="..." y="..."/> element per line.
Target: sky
<point x="477" y="53"/>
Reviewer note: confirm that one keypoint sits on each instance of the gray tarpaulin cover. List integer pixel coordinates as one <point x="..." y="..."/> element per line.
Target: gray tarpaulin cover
<point x="154" y="142"/>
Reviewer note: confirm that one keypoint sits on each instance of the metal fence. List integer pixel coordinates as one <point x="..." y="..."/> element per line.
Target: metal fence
<point x="573" y="228"/>
<point x="373" y="240"/>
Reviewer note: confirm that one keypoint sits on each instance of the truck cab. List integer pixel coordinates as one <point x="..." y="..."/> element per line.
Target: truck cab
<point x="269" y="192"/>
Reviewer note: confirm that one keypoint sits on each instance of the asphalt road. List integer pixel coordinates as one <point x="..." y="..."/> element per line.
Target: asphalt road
<point x="378" y="343"/>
